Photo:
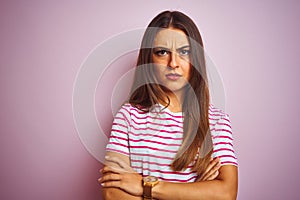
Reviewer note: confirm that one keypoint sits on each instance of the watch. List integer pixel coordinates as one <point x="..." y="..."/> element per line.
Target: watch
<point x="148" y="183"/>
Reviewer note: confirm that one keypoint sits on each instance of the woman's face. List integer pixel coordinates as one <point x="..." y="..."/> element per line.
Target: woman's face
<point x="171" y="55"/>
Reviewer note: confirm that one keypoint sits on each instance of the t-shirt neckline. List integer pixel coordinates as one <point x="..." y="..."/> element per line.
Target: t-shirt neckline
<point x="169" y="111"/>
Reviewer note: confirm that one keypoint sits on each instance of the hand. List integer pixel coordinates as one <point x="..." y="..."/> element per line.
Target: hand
<point x="212" y="171"/>
<point x="121" y="176"/>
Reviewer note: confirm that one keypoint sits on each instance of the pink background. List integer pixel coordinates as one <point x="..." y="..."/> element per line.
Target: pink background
<point x="255" y="46"/>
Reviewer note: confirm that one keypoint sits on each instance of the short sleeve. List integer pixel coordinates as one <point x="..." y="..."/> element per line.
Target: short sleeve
<point x="223" y="141"/>
<point x="118" y="140"/>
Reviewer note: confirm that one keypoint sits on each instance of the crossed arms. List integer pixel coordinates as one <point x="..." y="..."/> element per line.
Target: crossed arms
<point x="119" y="181"/>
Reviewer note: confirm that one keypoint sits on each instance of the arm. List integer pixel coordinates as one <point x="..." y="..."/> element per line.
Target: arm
<point x="118" y="164"/>
<point x="118" y="141"/>
<point x="224" y="187"/>
<point x="111" y="193"/>
<point x="116" y="193"/>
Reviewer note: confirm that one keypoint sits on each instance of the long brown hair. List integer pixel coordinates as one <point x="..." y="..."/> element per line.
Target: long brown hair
<point x="196" y="99"/>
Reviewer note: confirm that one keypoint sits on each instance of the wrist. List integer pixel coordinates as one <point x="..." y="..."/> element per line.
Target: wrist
<point x="157" y="190"/>
<point x="149" y="183"/>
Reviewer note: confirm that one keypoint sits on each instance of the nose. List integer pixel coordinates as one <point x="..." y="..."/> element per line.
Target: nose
<point x="174" y="62"/>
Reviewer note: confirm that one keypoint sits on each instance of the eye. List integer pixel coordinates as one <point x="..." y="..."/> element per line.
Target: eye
<point x="161" y="52"/>
<point x="184" y="52"/>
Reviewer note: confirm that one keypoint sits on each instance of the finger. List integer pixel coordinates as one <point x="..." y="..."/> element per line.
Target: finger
<point x="212" y="171"/>
<point x="212" y="163"/>
<point x="115" y="184"/>
<point x="109" y="177"/>
<point x="116" y="169"/>
<point x="213" y="176"/>
<point x="113" y="169"/>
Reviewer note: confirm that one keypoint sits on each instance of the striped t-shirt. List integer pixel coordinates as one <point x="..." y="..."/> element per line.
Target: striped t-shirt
<point x="152" y="139"/>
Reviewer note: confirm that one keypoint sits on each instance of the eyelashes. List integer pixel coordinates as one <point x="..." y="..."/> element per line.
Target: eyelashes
<point x="165" y="52"/>
<point x="184" y="52"/>
<point x="161" y="52"/>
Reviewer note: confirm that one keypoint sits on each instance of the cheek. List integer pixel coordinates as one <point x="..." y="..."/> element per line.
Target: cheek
<point x="160" y="61"/>
<point x="158" y="70"/>
<point x="159" y="73"/>
<point x="187" y="72"/>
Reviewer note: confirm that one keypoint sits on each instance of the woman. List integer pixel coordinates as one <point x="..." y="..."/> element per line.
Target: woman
<point x="164" y="139"/>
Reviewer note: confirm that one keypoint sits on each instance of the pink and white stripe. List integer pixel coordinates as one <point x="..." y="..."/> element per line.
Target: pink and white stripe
<point x="151" y="140"/>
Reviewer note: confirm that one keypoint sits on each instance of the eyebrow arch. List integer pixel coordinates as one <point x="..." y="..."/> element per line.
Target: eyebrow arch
<point x="183" y="47"/>
<point x="167" y="49"/>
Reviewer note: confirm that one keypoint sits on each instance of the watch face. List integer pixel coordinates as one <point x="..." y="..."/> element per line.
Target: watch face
<point x="150" y="179"/>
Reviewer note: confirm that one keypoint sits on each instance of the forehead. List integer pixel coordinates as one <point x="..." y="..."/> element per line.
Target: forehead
<point x="170" y="37"/>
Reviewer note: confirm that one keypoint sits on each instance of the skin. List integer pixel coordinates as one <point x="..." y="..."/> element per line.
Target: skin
<point x="171" y="56"/>
<point x="119" y="181"/>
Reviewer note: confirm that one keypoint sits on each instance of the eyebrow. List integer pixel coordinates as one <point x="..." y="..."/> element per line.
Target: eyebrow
<point x="164" y="48"/>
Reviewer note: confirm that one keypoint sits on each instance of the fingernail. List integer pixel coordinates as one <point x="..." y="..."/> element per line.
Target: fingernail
<point x="106" y="157"/>
<point x="102" y="184"/>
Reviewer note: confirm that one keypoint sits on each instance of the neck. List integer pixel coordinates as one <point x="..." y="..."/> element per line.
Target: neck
<point x="176" y="100"/>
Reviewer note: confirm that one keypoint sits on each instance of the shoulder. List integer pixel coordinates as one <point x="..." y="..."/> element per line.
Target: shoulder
<point x="218" y="119"/>
<point x="216" y="114"/>
<point x="129" y="110"/>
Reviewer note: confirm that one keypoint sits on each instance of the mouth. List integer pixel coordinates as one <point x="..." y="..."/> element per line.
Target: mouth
<point x="173" y="76"/>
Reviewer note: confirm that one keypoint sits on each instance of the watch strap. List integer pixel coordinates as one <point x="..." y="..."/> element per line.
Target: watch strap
<point x="147" y="193"/>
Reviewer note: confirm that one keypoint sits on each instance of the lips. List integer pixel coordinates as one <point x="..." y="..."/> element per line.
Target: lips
<point x="173" y="76"/>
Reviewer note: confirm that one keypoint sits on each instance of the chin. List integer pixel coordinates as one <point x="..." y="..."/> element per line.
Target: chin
<point x="175" y="89"/>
